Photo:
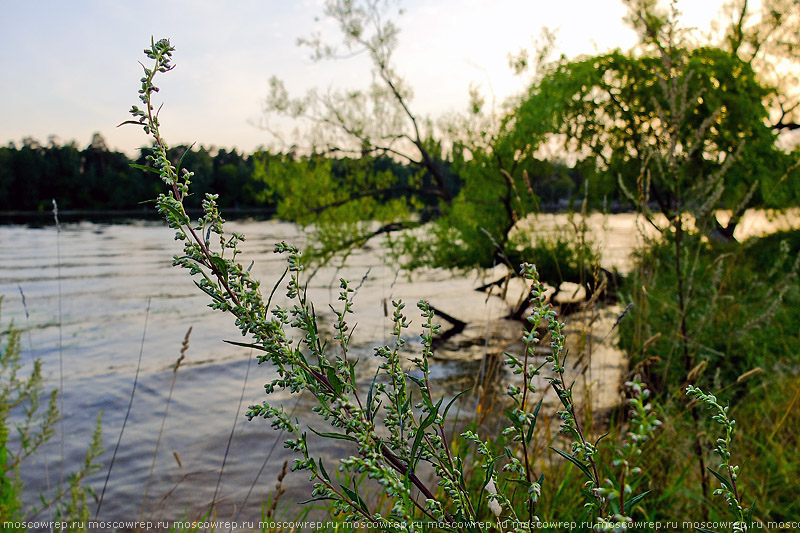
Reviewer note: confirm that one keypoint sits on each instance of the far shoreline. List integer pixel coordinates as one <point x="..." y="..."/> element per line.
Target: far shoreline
<point x="267" y="213"/>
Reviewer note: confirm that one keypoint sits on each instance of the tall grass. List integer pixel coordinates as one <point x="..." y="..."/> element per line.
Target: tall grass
<point x="127" y="413"/>
<point x="22" y="407"/>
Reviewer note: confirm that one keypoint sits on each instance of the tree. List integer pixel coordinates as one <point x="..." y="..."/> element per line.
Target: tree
<point x="376" y="124"/>
<point x="768" y="41"/>
<point x="611" y="113"/>
<point x="618" y="111"/>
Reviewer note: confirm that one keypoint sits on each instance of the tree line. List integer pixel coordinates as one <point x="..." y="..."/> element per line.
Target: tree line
<point x="96" y="178"/>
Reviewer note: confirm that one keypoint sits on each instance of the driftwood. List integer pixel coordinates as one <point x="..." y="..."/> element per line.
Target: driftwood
<point x="457" y="326"/>
<point x="602" y="287"/>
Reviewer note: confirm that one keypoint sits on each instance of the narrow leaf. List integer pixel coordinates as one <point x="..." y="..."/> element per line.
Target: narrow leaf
<point x="334" y="380"/>
<point x="369" y="395"/>
<point x="418" y="439"/>
<point x="356" y="500"/>
<point x="220" y="266"/>
<point x="574" y="461"/>
<point x="324" y="473"/>
<point x="340" y="436"/>
<point x="210" y="292"/>
<point x="353" y="373"/>
<point x="529" y="436"/>
<point x="180" y="162"/>
<point x="721" y="479"/>
<point x="247" y="345"/>
<point x="419" y="383"/>
<point x="177" y="214"/>
<point x="146" y="169"/>
<point x="633" y="501"/>
<point x="451" y="402"/>
<point x="317" y="499"/>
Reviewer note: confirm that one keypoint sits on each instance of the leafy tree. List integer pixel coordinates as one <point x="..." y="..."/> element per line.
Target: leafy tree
<point x="375" y="124"/>
<point x="616" y="110"/>
<point x="379" y="120"/>
<point x="611" y="111"/>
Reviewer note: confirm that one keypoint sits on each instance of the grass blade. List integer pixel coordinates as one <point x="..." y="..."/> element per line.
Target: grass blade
<point x="127" y="413"/>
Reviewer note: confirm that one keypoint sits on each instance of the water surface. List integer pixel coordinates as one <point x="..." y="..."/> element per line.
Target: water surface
<point x="98" y="294"/>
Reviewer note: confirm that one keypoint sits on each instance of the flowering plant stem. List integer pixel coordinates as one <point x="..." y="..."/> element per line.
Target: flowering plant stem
<point x="391" y="434"/>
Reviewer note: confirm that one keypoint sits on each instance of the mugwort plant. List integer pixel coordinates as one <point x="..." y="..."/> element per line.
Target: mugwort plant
<point x="396" y="428"/>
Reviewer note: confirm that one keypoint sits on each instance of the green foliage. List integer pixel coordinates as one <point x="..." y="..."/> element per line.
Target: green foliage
<point x="615" y="106"/>
<point x="679" y="127"/>
<point x="398" y="426"/>
<point x="327" y="197"/>
<point x="19" y="395"/>
<point x="21" y="407"/>
<point x="748" y="291"/>
<point x="482" y="227"/>
<point x="729" y="473"/>
<point x="767" y="437"/>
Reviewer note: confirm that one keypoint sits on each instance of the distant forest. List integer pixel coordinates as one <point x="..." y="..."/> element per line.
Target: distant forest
<point x="96" y="178"/>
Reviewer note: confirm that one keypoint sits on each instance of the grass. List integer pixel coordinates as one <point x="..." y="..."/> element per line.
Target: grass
<point x="749" y="291"/>
<point x="743" y="308"/>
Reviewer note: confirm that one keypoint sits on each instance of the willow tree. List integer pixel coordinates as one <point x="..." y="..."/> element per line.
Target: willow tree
<point x="766" y="36"/>
<point x="620" y="112"/>
<point x="366" y="129"/>
<point x="617" y="113"/>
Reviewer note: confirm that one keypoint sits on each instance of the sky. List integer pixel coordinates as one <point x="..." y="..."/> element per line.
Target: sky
<point x="71" y="68"/>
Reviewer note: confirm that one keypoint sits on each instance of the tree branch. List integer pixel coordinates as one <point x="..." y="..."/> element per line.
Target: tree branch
<point x="376" y="192"/>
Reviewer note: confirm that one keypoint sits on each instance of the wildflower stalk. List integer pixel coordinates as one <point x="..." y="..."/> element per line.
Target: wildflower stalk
<point x="416" y="431"/>
<point x="728" y="487"/>
<point x="584" y="454"/>
<point x="332" y="382"/>
<point x="619" y="494"/>
<point x="523" y="420"/>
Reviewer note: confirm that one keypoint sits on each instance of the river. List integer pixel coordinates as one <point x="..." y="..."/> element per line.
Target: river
<point x="96" y="295"/>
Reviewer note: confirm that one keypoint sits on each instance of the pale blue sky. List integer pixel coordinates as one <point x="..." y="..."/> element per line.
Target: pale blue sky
<point x="70" y="68"/>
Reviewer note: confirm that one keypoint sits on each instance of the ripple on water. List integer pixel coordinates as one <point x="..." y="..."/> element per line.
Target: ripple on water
<point x="107" y="274"/>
